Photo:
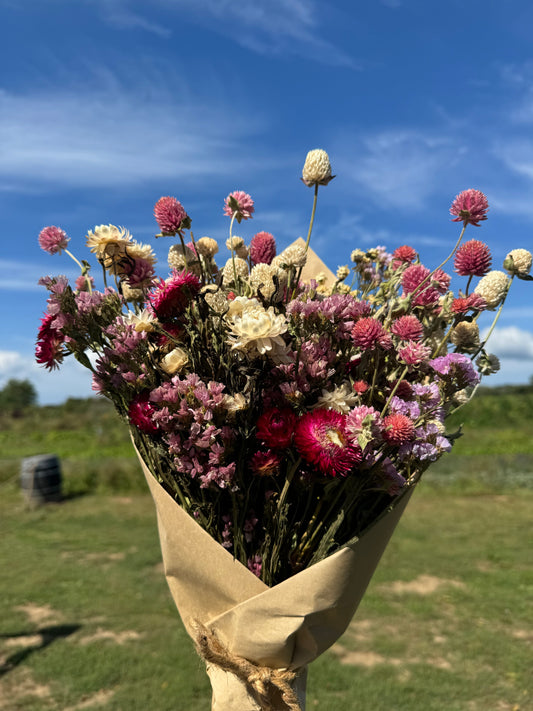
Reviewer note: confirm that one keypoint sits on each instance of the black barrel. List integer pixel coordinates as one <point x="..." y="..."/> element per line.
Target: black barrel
<point x="40" y="478"/>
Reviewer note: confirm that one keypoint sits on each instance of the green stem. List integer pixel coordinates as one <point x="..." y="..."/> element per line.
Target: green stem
<point x="312" y="217"/>
<point x="495" y="321"/>
<point x="394" y="389"/>
<point x="442" y="264"/>
<point x="83" y="269"/>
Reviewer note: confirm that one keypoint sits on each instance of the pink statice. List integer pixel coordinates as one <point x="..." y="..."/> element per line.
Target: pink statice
<point x="49" y="348"/>
<point x="368" y="333"/>
<point x="240" y="205"/>
<point x="407" y="328"/>
<point x="413" y="354"/>
<point x="322" y="441"/>
<point x="393" y="480"/>
<point x="53" y="239"/>
<point x="262" y="248"/>
<point x="227" y="532"/>
<point x="473" y="258"/>
<point x="170" y="215"/>
<point x="470" y="207"/>
<point x="255" y="564"/>
<point x="86" y="301"/>
<point x="170" y="298"/>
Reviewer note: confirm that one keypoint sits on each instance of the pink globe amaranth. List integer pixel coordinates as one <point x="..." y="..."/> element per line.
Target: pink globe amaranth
<point x="169" y="214"/>
<point x="368" y="333"/>
<point x="398" y="429"/>
<point x="403" y="255"/>
<point x="53" y="239"/>
<point x="470" y="206"/>
<point x="407" y="328"/>
<point x="473" y="258"/>
<point x="262" y="248"/>
<point x="240" y="204"/>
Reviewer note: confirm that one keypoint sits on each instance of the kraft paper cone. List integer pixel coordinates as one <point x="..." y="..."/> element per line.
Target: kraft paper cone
<point x="286" y="626"/>
<point x="314" y="266"/>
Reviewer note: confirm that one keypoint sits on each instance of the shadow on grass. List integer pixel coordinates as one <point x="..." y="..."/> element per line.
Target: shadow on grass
<point x="47" y="636"/>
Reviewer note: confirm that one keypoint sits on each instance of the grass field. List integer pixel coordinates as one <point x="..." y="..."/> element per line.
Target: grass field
<point x="87" y="622"/>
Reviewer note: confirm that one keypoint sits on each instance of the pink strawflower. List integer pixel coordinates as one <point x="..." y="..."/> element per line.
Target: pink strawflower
<point x="53" y="239"/>
<point x="240" y="204"/>
<point x="49" y="347"/>
<point x="321" y="440"/>
<point x="470" y="206"/>
<point x="169" y="214"/>
<point x="140" y="413"/>
<point x="265" y="463"/>
<point x="403" y="255"/>
<point x="170" y="297"/>
<point x="262" y="248"/>
<point x="407" y="328"/>
<point x="398" y="429"/>
<point x="275" y="427"/>
<point x="368" y="333"/>
<point x="473" y="258"/>
<point x="462" y="304"/>
<point x="413" y="353"/>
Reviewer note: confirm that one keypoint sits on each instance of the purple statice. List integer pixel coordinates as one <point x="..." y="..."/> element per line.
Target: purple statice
<point x="428" y="444"/>
<point x="393" y="480"/>
<point x="399" y="406"/>
<point x="456" y="369"/>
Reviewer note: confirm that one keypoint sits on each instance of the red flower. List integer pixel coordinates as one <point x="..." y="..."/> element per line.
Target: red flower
<point x="470" y="207"/>
<point x="169" y="214"/>
<point x="265" y="463"/>
<point x="360" y="387"/>
<point x="275" y="427"/>
<point x="262" y="248"/>
<point x="368" y="333"/>
<point x="320" y="438"/>
<point x="398" y="429"/>
<point x="473" y="258"/>
<point x="407" y="328"/>
<point x="462" y="304"/>
<point x="49" y="348"/>
<point x="140" y="413"/>
<point x="170" y="297"/>
<point x="403" y="255"/>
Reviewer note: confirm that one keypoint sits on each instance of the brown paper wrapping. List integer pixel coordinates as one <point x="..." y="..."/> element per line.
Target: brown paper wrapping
<point x="286" y="626"/>
<point x="314" y="266"/>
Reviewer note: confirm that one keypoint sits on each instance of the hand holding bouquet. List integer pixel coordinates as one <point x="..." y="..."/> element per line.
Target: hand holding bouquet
<point x="287" y="413"/>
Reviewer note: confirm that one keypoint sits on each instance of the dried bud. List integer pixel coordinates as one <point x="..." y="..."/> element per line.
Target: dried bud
<point x="465" y="336"/>
<point x="493" y="288"/>
<point x="518" y="262"/>
<point x="342" y="273"/>
<point x="317" y="168"/>
<point x="487" y="363"/>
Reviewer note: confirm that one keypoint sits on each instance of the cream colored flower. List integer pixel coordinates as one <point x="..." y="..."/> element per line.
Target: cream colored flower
<point x="216" y="298"/>
<point x="343" y="272"/>
<point x="207" y="247"/>
<point x="144" y="321"/>
<point x="180" y="257"/>
<point x="109" y="244"/>
<point x="341" y="399"/>
<point x="234" y="243"/>
<point x="293" y="256"/>
<point x="493" y="288"/>
<point x="317" y="168"/>
<point x="256" y="330"/>
<point x="234" y="266"/>
<point x="236" y="403"/>
<point x="174" y="361"/>
<point x="262" y="279"/>
<point x="488" y="363"/>
<point x="518" y="262"/>
<point x="357" y="256"/>
<point x="132" y="294"/>
<point x="466" y="336"/>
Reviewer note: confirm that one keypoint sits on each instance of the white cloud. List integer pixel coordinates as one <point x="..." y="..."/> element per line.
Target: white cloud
<point x="107" y="137"/>
<point x="23" y="276"/>
<point x="511" y="343"/>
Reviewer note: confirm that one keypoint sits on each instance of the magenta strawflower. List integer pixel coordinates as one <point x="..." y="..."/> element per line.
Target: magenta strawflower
<point x="407" y="328"/>
<point x="170" y="215"/>
<point x="321" y="440"/>
<point x="240" y="204"/>
<point x="275" y="427"/>
<point x="368" y="333"/>
<point x="140" y="413"/>
<point x="473" y="258"/>
<point x="470" y="206"/>
<point x="49" y="347"/>
<point x="170" y="297"/>
<point x="53" y="239"/>
<point x="398" y="429"/>
<point x="262" y="248"/>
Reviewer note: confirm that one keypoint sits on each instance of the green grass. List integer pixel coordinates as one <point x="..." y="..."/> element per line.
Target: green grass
<point x="444" y="625"/>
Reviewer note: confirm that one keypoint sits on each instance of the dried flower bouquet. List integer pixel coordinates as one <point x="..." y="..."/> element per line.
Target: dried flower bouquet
<point x="288" y="417"/>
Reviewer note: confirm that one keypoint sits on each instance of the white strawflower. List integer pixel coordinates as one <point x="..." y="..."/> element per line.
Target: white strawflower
<point x="341" y="399"/>
<point x="144" y="321"/>
<point x="256" y="330"/>
<point x="108" y="242"/>
<point x="207" y="247"/>
<point x="262" y="279"/>
<point x="235" y="403"/>
<point x="234" y="266"/>
<point x="518" y="262"/>
<point x="317" y="168"/>
<point x="174" y="361"/>
<point x="493" y="288"/>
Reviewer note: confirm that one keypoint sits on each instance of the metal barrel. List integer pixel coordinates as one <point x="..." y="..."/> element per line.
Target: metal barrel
<point x="40" y="478"/>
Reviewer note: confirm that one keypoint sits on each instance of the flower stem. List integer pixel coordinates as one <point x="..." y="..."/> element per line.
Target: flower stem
<point x="312" y="217"/>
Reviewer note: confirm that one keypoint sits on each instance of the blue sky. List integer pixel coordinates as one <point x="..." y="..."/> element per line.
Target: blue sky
<point x="106" y="105"/>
